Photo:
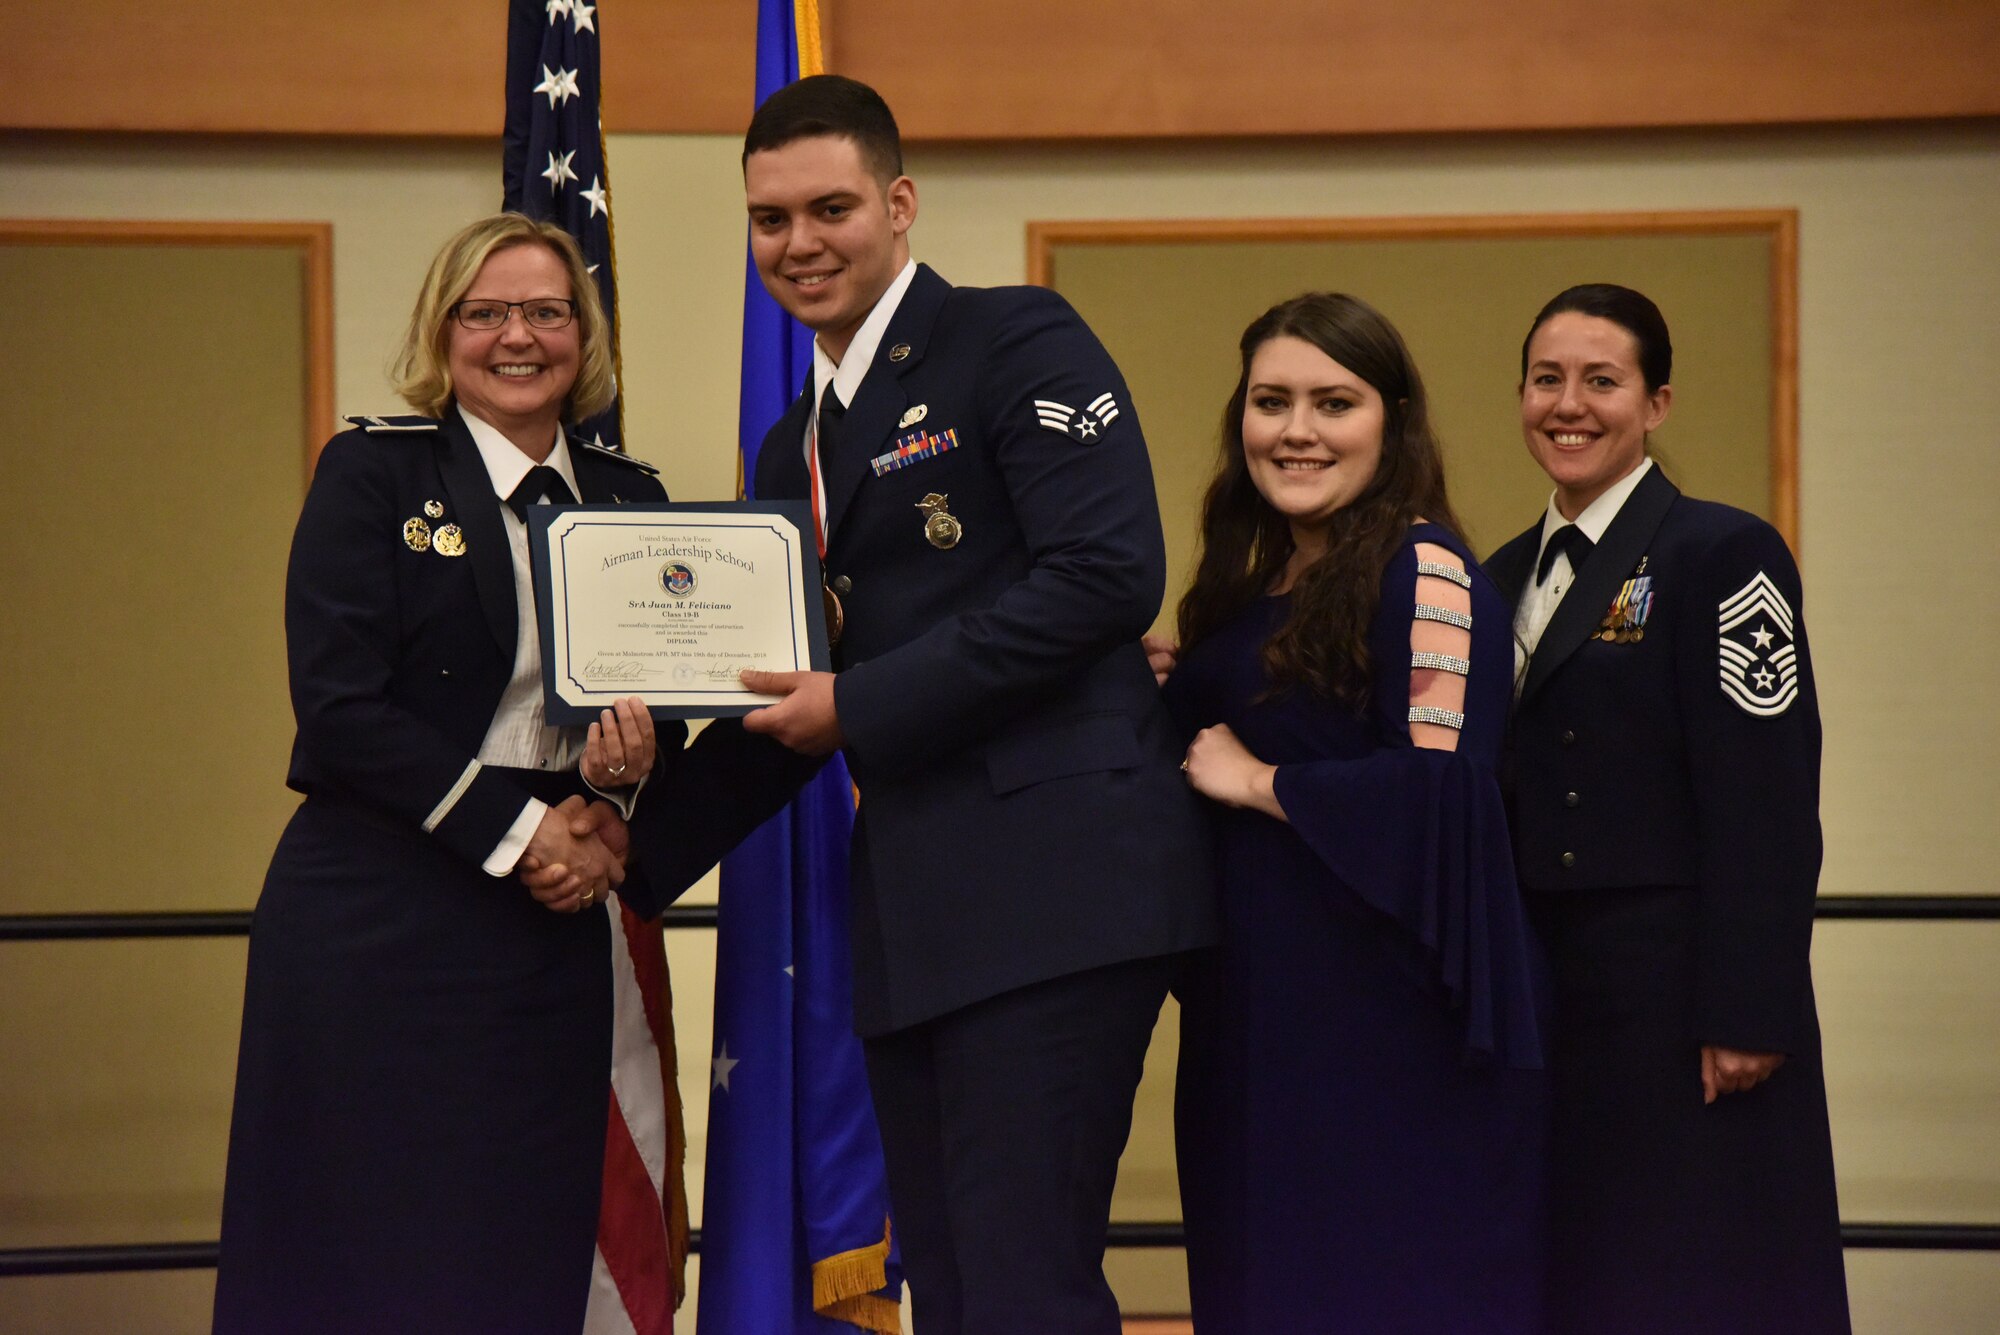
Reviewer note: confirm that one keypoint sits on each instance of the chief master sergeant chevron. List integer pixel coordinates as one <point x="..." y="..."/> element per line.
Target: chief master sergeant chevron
<point x="1028" y="862"/>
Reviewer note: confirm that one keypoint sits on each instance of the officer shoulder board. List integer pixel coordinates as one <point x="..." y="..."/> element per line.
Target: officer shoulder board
<point x="606" y="452"/>
<point x="403" y="422"/>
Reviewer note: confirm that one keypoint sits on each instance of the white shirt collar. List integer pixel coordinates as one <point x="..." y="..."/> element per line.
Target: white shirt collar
<point x="506" y="465"/>
<point x="1596" y="516"/>
<point x="848" y="373"/>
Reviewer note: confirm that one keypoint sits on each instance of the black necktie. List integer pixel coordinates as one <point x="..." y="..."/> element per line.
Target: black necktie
<point x="831" y="410"/>
<point x="1569" y="538"/>
<point x="541" y="481"/>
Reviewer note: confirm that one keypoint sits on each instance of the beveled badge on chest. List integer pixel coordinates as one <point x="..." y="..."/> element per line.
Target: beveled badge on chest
<point x="941" y="527"/>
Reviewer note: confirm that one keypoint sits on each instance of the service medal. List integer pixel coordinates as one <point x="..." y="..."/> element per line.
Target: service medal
<point x="941" y="528"/>
<point x="417" y="534"/>
<point x="450" y="541"/>
<point x="836" y="615"/>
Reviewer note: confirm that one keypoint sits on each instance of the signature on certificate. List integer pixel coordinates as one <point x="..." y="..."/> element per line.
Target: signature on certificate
<point x="604" y="668"/>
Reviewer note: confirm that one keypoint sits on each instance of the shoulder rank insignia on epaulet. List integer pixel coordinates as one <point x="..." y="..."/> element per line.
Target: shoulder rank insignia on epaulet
<point x="1760" y="665"/>
<point x="603" y="451"/>
<point x="401" y="422"/>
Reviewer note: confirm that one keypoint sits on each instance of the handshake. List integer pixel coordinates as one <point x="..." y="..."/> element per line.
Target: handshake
<point x="576" y="856"/>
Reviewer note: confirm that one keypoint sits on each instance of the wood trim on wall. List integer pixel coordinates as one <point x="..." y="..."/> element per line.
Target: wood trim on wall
<point x="1781" y="226"/>
<point x="314" y="241"/>
<point x="1026" y="70"/>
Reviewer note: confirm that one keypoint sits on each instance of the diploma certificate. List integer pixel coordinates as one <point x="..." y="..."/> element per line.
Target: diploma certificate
<point x="670" y="601"/>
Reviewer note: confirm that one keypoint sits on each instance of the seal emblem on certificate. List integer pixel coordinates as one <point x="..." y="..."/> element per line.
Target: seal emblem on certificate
<point x="671" y="601"/>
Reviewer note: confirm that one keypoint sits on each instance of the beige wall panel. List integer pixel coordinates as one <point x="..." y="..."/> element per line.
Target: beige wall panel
<point x="144" y="660"/>
<point x="167" y="1302"/>
<point x="1922" y="1293"/>
<point x="1172" y="314"/>
<point x="1899" y="466"/>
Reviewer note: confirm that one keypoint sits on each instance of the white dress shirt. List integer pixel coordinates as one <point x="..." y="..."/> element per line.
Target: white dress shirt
<point x="1539" y="601"/>
<point x="520" y="735"/>
<point x="848" y="373"/>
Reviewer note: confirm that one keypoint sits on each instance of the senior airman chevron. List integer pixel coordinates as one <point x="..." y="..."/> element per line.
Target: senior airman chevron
<point x="1087" y="425"/>
<point x="1760" y="669"/>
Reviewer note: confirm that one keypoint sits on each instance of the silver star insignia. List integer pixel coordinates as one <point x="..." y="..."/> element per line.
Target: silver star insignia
<point x="1762" y="637"/>
<point x="1763" y="677"/>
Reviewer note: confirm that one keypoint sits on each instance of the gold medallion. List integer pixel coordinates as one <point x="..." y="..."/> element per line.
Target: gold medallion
<point x="836" y="615"/>
<point x="418" y="535"/>
<point x="435" y="509"/>
<point x="450" y="541"/>
<point x="941" y="528"/>
<point x="899" y="352"/>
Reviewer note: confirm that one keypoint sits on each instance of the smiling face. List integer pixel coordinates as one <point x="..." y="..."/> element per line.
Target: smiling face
<point x="1312" y="435"/>
<point x="516" y="378"/>
<point x="827" y="235"/>
<point x="1585" y="408"/>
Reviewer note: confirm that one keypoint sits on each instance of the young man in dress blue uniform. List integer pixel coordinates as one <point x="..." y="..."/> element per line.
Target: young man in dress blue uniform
<point x="1027" y="861"/>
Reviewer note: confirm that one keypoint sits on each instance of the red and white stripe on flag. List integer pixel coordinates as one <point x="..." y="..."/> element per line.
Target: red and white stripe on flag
<point x="638" y="1276"/>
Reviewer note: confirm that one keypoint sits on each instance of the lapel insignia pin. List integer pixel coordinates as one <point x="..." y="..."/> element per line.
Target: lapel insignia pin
<point x="899" y="352"/>
<point x="417" y="535"/>
<point x="450" y="541"/>
<point x="435" y="509"/>
<point x="941" y="528"/>
<point x="914" y="416"/>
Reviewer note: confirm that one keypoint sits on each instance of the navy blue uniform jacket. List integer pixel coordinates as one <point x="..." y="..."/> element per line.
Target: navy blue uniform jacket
<point x="1687" y="757"/>
<point x="1022" y="812"/>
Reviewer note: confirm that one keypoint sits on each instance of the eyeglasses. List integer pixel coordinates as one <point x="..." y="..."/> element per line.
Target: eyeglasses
<point x="540" y="313"/>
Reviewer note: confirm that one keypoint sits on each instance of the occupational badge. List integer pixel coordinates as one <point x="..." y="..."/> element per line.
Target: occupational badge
<point x="435" y="509"/>
<point x="1625" y="622"/>
<point x="914" y="416"/>
<point x="450" y="541"/>
<point x="1759" y="658"/>
<point x="899" y="352"/>
<point x="417" y="535"/>
<point x="941" y="528"/>
<point x="1085" y="425"/>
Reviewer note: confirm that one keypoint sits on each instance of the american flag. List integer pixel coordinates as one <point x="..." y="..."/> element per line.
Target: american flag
<point x="553" y="161"/>
<point x="554" y="169"/>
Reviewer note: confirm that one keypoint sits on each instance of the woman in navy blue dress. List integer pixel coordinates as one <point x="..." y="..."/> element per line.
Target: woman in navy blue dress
<point x="1361" y="1109"/>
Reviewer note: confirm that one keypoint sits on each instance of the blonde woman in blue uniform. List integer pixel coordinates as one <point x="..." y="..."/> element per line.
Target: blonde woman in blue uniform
<point x="421" y="1094"/>
<point x="1664" y="763"/>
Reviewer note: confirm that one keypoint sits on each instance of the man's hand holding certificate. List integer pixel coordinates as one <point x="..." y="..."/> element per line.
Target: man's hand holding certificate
<point x="672" y="603"/>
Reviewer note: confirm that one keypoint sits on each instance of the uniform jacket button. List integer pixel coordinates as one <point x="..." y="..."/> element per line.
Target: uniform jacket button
<point x="1570" y="799"/>
<point x="1569" y="859"/>
<point x="842" y="584"/>
<point x="1568" y="736"/>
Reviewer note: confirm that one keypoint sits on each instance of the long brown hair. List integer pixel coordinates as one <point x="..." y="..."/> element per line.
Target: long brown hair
<point x="1245" y="544"/>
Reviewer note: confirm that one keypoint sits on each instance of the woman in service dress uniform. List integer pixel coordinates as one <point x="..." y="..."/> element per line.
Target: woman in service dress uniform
<point x="421" y="1098"/>
<point x="1361" y="1113"/>
<point x="1665" y="793"/>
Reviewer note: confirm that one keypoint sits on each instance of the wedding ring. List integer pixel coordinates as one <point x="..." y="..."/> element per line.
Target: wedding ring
<point x="616" y="770"/>
<point x="588" y="897"/>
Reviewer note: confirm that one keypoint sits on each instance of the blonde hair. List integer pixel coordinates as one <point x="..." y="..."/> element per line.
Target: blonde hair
<point x="422" y="369"/>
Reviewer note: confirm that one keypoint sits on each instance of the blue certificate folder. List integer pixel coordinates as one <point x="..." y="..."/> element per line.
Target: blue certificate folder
<point x="667" y="600"/>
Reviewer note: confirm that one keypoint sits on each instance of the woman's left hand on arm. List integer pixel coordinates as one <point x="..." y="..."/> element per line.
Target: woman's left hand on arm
<point x="1221" y="768"/>
<point x="621" y="748"/>
<point x="1732" y="1070"/>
